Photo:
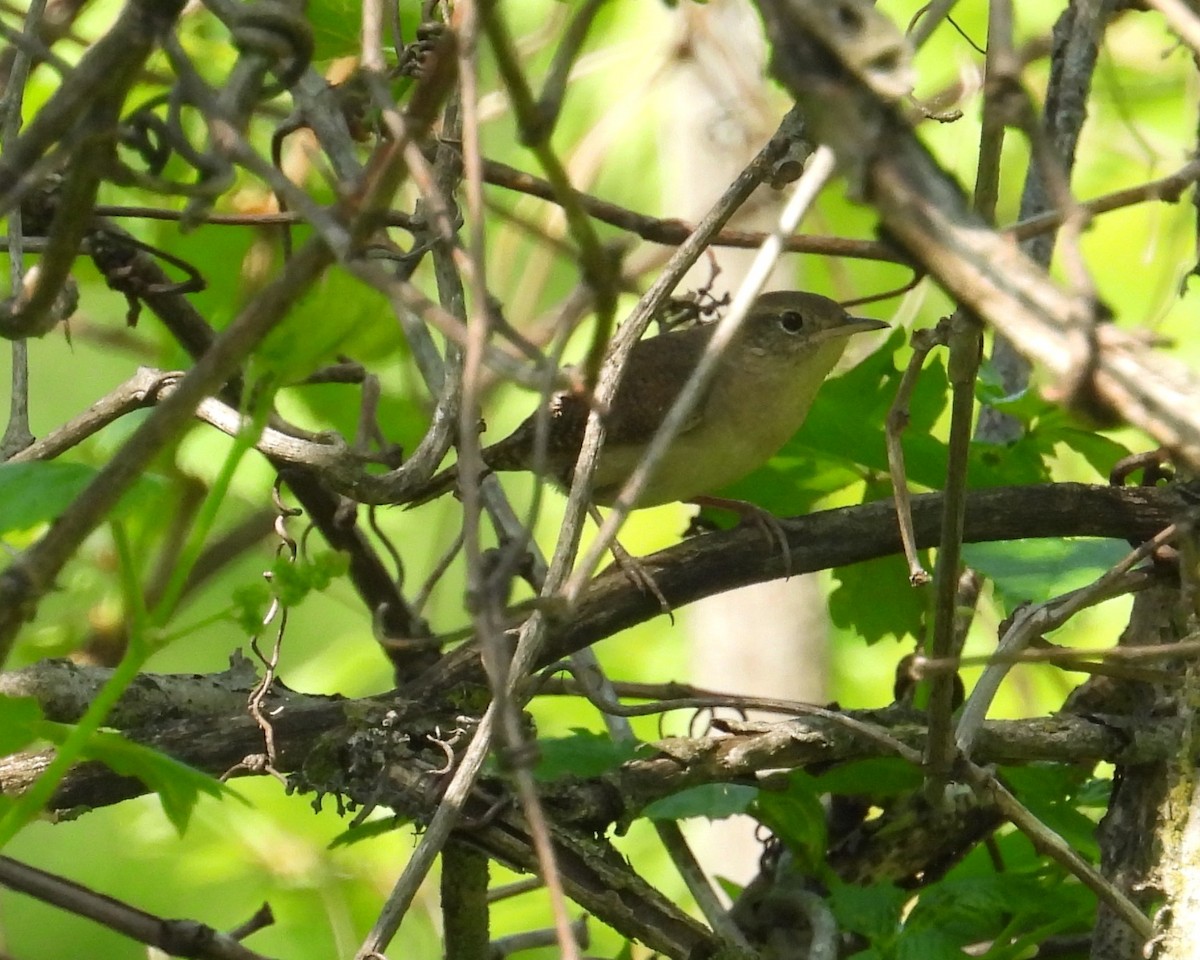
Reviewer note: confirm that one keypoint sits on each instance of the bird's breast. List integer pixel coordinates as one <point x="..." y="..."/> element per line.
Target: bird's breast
<point x="747" y="417"/>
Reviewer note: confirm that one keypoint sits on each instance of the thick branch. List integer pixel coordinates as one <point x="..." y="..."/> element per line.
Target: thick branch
<point x="925" y="211"/>
<point x="213" y="733"/>
<point x="717" y="562"/>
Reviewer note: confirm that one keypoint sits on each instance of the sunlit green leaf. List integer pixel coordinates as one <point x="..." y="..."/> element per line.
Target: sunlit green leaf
<point x="928" y="944"/>
<point x="1036" y="570"/>
<point x="37" y="492"/>
<point x="177" y="785"/>
<point x="19" y="720"/>
<point x="875" y="600"/>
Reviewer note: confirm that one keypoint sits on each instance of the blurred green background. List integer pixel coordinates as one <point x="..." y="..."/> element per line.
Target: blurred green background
<point x="275" y="848"/>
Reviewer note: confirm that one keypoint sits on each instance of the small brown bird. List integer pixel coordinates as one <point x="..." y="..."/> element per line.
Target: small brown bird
<point x="759" y="396"/>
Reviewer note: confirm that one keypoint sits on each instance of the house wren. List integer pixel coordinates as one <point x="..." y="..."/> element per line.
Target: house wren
<point x="759" y="396"/>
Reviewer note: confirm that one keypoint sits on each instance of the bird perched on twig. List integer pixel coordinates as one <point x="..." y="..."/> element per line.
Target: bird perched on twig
<point x="761" y="392"/>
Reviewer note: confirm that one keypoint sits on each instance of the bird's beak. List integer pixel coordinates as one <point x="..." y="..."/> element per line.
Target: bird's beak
<point x="847" y="328"/>
<point x="861" y="325"/>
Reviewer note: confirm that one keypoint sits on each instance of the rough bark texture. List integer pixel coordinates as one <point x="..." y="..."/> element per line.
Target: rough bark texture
<point x="1141" y="829"/>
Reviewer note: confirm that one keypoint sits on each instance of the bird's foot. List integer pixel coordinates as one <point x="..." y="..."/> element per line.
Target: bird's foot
<point x="641" y="578"/>
<point x="635" y="571"/>
<point x="752" y="513"/>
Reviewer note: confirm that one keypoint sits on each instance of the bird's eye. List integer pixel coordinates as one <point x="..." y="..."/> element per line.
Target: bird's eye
<point x="791" y="321"/>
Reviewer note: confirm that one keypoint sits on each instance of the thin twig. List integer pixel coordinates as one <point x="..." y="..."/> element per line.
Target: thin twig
<point x="1054" y="846"/>
<point x="927" y="20"/>
<point x="489" y="615"/>
<point x="17" y="435"/>
<point x="549" y="104"/>
<point x="1181" y="18"/>
<point x="600" y="691"/>
<point x="923" y="341"/>
<point x="1035" y="621"/>
<point x="185" y="938"/>
<point x="596" y="263"/>
<point x="965" y="343"/>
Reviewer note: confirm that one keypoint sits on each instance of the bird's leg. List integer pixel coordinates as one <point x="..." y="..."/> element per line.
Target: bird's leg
<point x="748" y="512"/>
<point x="634" y="569"/>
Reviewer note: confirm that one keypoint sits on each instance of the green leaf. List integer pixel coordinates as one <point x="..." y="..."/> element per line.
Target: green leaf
<point x="405" y="417"/>
<point x="250" y="604"/>
<point x="1043" y="782"/>
<point x="790" y="484"/>
<point x="982" y="907"/>
<point x="338" y="315"/>
<point x="1101" y="452"/>
<point x="335" y="25"/>
<point x="1047" y="424"/>
<point x="1023" y="461"/>
<point x="1025" y="405"/>
<point x="728" y="887"/>
<point x="875" y="600"/>
<point x="928" y="944"/>
<point x="368" y="831"/>
<point x="20" y="719"/>
<point x="1076" y="828"/>
<point x="178" y="786"/>
<point x="293" y="580"/>
<point x="1053" y="793"/>
<point x="796" y="817"/>
<point x="872" y="911"/>
<point x="38" y="492"/>
<point x="1012" y="848"/>
<point x="877" y="777"/>
<point x="1036" y="570"/>
<point x="1096" y="793"/>
<point x="968" y="905"/>
<point x="583" y="754"/>
<point x="715" y="801"/>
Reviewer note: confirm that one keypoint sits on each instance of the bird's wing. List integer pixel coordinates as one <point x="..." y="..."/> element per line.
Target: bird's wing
<point x="651" y="384"/>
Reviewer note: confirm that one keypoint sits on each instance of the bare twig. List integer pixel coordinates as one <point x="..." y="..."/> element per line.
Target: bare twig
<point x="1035" y="621"/>
<point x="923" y="341"/>
<point x="596" y="262"/>
<point x="17" y="435"/>
<point x="1181" y="18"/>
<point x="1054" y="846"/>
<point x="181" y="938"/>
<point x="600" y="691"/>
<point x="33" y="572"/>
